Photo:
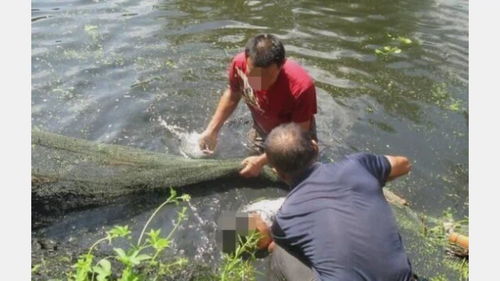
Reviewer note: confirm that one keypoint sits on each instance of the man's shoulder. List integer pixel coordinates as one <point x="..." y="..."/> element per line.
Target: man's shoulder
<point x="239" y="59"/>
<point x="294" y="68"/>
<point x="303" y="187"/>
<point x="297" y="76"/>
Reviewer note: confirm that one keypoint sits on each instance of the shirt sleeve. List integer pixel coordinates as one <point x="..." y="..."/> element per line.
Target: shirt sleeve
<point x="305" y="106"/>
<point x="277" y="232"/>
<point x="378" y="165"/>
<point x="234" y="80"/>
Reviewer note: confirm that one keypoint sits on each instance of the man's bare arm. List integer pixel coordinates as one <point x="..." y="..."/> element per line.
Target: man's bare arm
<point x="227" y="104"/>
<point x="400" y="165"/>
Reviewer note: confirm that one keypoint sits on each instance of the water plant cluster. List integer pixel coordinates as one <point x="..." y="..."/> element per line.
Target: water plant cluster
<point x="436" y="233"/>
<point x="395" y="47"/>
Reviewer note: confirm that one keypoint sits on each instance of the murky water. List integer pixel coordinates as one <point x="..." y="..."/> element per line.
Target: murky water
<point x="127" y="72"/>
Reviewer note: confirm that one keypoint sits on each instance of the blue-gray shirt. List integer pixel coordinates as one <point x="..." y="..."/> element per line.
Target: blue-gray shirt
<point x="337" y="221"/>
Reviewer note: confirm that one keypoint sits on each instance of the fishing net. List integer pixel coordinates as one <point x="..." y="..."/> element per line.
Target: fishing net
<point x="70" y="173"/>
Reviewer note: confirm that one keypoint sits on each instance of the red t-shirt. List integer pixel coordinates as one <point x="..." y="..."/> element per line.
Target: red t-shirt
<point x="291" y="98"/>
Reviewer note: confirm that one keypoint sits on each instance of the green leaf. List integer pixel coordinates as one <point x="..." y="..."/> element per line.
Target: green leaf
<point x="173" y="195"/>
<point x="90" y="28"/>
<point x="454" y="106"/>
<point x="83" y="267"/>
<point x="103" y="270"/>
<point x="185" y="197"/>
<point x="386" y="50"/>
<point x="153" y="234"/>
<point x="35" y="268"/>
<point x="129" y="275"/>
<point x="136" y="259"/>
<point x="122" y="256"/>
<point x="404" y="40"/>
<point x="156" y="242"/>
<point x="161" y="244"/>
<point x="119" y="231"/>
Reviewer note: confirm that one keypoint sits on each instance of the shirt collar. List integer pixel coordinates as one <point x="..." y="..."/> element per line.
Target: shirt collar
<point x="297" y="180"/>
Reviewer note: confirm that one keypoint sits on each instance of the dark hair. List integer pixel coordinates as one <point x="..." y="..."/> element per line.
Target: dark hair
<point x="289" y="149"/>
<point x="264" y="50"/>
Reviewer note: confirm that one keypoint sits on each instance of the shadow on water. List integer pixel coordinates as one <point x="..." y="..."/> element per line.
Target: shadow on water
<point x="125" y="207"/>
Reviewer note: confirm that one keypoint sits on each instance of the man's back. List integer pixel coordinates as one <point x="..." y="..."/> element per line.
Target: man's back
<point x="337" y="221"/>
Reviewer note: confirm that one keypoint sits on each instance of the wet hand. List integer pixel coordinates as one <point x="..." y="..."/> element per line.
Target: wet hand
<point x="208" y="142"/>
<point x="257" y="223"/>
<point x="252" y="166"/>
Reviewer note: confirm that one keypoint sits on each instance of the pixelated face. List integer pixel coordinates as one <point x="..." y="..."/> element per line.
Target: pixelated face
<point x="261" y="78"/>
<point x="231" y="224"/>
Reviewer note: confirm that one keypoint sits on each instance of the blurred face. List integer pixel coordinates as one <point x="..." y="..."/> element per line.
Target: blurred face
<point x="261" y="78"/>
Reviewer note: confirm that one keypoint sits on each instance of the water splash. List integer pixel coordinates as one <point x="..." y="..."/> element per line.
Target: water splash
<point x="267" y="208"/>
<point x="206" y="246"/>
<point x="188" y="147"/>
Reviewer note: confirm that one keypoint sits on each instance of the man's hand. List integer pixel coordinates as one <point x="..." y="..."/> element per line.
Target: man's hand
<point x="208" y="142"/>
<point x="400" y="165"/>
<point x="227" y="104"/>
<point x="253" y="165"/>
<point x="256" y="223"/>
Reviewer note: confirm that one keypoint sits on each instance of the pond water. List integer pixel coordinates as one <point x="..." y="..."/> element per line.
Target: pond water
<point x="143" y="73"/>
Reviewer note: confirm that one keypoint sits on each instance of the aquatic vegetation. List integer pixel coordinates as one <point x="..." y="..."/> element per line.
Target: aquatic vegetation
<point x="439" y="278"/>
<point x="92" y="31"/>
<point x="386" y="50"/>
<point x="436" y="236"/>
<point x="460" y="266"/>
<point x="456" y="105"/>
<point x="443" y="98"/>
<point x="390" y="49"/>
<point x="403" y="40"/>
<point x="170" y="64"/>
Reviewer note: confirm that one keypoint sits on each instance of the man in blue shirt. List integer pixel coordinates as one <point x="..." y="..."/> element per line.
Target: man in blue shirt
<point x="335" y="224"/>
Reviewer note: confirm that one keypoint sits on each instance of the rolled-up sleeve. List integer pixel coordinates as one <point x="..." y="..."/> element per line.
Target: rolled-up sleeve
<point x="378" y="165"/>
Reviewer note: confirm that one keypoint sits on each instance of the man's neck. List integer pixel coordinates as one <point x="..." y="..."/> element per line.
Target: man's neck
<point x="294" y="180"/>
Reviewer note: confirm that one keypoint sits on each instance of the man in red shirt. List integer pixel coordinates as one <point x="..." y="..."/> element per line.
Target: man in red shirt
<point x="276" y="90"/>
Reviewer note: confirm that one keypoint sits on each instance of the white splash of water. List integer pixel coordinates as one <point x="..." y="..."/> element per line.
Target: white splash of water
<point x="189" y="147"/>
<point x="267" y="209"/>
<point x="206" y="245"/>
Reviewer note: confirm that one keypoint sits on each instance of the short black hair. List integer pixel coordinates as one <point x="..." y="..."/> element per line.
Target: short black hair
<point x="289" y="149"/>
<point x="264" y="50"/>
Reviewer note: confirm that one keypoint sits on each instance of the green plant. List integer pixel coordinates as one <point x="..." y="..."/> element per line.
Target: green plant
<point x="239" y="265"/>
<point x="135" y="263"/>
